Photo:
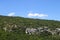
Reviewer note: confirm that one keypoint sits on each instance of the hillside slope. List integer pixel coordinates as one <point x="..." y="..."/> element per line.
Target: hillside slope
<point x="19" y="24"/>
<point x="26" y="22"/>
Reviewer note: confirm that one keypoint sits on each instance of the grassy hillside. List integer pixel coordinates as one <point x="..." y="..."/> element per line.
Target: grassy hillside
<point x="26" y="22"/>
<point x="21" y="23"/>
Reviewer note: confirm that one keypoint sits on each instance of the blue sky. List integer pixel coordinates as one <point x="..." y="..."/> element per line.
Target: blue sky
<point x="42" y="9"/>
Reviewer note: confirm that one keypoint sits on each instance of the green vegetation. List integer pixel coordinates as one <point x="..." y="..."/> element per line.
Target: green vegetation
<point x="18" y="33"/>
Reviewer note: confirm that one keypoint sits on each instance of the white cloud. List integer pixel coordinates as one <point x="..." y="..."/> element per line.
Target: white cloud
<point x="37" y="15"/>
<point x="11" y="14"/>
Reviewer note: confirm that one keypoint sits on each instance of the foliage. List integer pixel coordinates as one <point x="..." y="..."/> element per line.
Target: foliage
<point x="19" y="32"/>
